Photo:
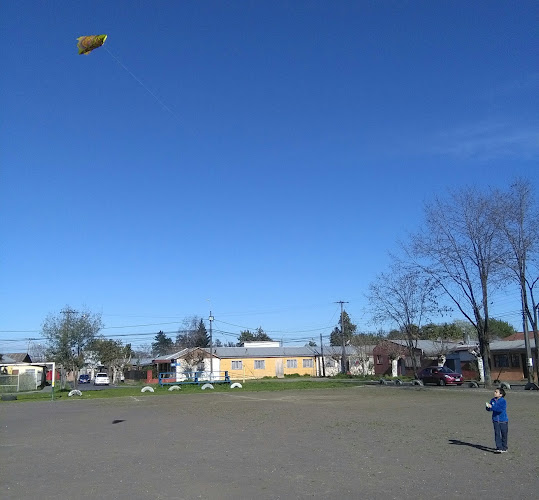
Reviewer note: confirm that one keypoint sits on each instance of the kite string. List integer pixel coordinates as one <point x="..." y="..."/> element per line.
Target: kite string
<point x="140" y="82"/>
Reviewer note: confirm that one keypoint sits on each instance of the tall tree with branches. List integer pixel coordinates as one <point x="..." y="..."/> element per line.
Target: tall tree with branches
<point x="113" y="354"/>
<point x="258" y="336"/>
<point x="460" y="249"/>
<point x="347" y="330"/>
<point x="194" y="334"/>
<point x="516" y="219"/>
<point x="406" y="298"/>
<point x="163" y="345"/>
<point x="69" y="335"/>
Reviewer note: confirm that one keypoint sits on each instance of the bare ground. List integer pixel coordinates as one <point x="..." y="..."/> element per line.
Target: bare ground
<point x="355" y="442"/>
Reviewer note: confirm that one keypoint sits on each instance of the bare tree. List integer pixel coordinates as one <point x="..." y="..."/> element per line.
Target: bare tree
<point x="516" y="218"/>
<point x="193" y="359"/>
<point x="406" y="298"/>
<point x="37" y="352"/>
<point x="141" y="352"/>
<point x="193" y="334"/>
<point x="460" y="249"/>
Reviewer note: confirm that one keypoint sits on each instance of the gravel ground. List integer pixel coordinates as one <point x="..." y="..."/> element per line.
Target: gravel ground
<point x="356" y="442"/>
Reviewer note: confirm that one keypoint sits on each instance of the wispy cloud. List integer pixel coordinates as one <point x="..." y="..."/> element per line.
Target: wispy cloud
<point x="486" y="141"/>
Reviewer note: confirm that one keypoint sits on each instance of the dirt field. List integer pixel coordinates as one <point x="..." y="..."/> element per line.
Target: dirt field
<point x="351" y="443"/>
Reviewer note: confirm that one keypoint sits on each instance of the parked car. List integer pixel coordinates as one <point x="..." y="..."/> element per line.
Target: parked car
<point x="101" y="379"/>
<point x="440" y="375"/>
<point x="84" y="379"/>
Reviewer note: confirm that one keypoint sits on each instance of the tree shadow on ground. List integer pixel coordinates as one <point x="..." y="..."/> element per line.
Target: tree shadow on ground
<point x="472" y="445"/>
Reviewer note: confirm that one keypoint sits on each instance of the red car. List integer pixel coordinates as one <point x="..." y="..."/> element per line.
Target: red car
<point x="440" y="375"/>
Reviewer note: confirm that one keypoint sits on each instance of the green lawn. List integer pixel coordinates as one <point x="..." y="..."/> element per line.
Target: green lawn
<point x="135" y="390"/>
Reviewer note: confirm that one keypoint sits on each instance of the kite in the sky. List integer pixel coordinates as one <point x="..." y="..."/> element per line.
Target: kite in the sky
<point x="88" y="43"/>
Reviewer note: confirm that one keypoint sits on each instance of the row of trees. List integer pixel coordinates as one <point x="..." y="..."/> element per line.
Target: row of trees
<point x="458" y="330"/>
<point x="472" y="243"/>
<point x="194" y="334"/>
<point x="73" y="341"/>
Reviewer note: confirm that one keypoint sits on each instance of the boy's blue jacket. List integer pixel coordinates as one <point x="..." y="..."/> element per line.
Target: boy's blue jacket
<point x="499" y="410"/>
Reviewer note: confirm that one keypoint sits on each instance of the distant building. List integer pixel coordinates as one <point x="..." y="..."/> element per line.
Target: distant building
<point x="266" y="359"/>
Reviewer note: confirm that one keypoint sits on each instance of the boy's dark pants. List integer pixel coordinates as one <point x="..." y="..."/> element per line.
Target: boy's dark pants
<point x="500" y="434"/>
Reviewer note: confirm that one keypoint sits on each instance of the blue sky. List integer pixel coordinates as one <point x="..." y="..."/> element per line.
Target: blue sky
<point x="257" y="158"/>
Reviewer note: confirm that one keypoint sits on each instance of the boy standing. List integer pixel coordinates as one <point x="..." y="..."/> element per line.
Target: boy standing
<point x="498" y="407"/>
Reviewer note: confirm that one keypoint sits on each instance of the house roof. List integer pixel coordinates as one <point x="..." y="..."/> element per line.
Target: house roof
<point x="280" y="352"/>
<point x="7" y="359"/>
<point x="168" y="357"/>
<point x="430" y="347"/>
<point x="270" y="352"/>
<point x="142" y="361"/>
<point x="517" y="336"/>
<point x="510" y="345"/>
<point x="17" y="357"/>
<point x="262" y="352"/>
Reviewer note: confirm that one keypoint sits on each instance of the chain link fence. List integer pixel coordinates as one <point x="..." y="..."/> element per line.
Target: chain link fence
<point x="19" y="383"/>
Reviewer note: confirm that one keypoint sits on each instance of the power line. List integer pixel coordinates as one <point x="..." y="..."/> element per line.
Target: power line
<point x="137" y="326"/>
<point x="277" y="331"/>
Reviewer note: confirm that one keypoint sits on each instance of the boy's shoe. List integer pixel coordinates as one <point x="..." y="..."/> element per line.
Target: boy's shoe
<point x="498" y="451"/>
<point x="503" y="451"/>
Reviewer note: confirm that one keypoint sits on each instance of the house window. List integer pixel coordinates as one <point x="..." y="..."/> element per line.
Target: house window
<point x="307" y="363"/>
<point x="291" y="363"/>
<point x="237" y="365"/>
<point x="515" y="360"/>
<point x="330" y="362"/>
<point x="378" y="359"/>
<point x="260" y="364"/>
<point x="501" y="361"/>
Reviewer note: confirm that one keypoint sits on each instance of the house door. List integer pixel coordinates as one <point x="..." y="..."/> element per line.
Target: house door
<point x="279" y="372"/>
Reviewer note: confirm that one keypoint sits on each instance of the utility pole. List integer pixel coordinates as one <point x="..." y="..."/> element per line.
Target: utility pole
<point x="343" y="354"/>
<point x="211" y="347"/>
<point x="323" y="371"/>
<point x="536" y="339"/>
<point x="529" y="359"/>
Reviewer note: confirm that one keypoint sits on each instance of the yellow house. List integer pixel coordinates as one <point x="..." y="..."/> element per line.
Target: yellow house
<point x="259" y="362"/>
<point x="256" y="360"/>
<point x="252" y="361"/>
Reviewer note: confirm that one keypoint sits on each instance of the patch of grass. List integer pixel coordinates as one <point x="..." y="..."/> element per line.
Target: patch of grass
<point x="361" y="378"/>
<point x="279" y="385"/>
<point x="271" y="384"/>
